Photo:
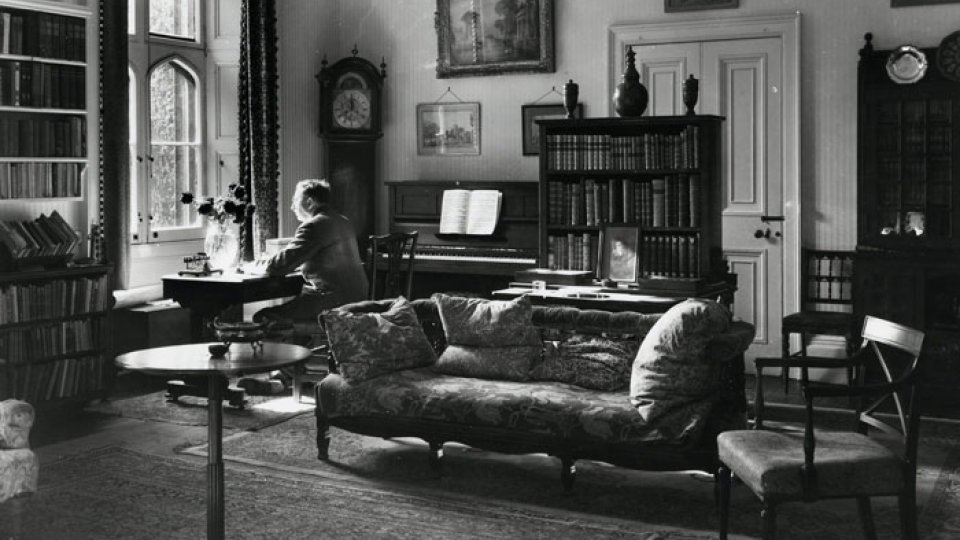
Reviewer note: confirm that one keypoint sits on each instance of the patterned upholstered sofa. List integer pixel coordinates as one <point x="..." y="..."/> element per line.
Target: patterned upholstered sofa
<point x="541" y="416"/>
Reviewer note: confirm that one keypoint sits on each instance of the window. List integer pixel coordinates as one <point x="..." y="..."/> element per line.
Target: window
<point x="166" y="119"/>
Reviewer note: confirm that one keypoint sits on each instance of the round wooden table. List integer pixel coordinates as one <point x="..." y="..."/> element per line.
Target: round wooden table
<point x="195" y="359"/>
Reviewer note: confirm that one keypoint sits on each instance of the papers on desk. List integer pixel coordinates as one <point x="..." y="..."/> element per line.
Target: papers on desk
<point x="253" y="268"/>
<point x="466" y="211"/>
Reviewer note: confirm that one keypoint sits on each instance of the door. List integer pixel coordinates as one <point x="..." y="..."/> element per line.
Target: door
<point x="740" y="79"/>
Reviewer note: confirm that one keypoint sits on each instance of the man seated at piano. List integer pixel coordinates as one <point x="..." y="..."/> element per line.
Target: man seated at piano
<point x="325" y="249"/>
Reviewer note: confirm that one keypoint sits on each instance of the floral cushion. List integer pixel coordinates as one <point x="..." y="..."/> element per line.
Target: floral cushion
<point x="16" y="419"/>
<point x="367" y="345"/>
<point x="574" y="414"/>
<point x="595" y="362"/>
<point x="672" y="370"/>
<point x="488" y="339"/>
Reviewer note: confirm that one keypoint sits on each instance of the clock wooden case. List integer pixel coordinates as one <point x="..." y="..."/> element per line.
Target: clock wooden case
<point x="350" y="124"/>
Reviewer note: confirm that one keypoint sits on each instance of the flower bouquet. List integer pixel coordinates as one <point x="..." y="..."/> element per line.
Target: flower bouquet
<point x="222" y="243"/>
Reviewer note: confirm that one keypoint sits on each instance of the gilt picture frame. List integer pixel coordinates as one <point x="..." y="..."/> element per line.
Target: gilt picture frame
<point x="673" y="6"/>
<point x="448" y="129"/>
<point x="529" y="114"/>
<point x="620" y="251"/>
<point x="480" y="37"/>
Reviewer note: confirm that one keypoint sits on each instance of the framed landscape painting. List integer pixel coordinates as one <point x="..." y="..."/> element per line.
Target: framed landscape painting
<point x="448" y="129"/>
<point x="490" y="37"/>
<point x="531" y="131"/>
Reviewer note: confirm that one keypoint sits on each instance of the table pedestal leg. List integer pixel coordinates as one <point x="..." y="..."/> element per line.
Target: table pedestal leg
<point x="215" y="458"/>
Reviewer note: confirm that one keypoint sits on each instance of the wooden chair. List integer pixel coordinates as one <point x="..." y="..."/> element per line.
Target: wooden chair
<point x="391" y="260"/>
<point x="785" y="466"/>
<point x="827" y="279"/>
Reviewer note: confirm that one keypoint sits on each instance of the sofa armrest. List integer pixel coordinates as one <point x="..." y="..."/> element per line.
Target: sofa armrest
<point x="16" y="419"/>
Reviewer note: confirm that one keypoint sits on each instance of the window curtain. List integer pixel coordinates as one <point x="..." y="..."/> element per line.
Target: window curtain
<point x="113" y="189"/>
<point x="259" y="124"/>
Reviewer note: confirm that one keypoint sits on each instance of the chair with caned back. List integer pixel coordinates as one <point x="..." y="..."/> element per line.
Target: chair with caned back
<point x="827" y="305"/>
<point x="785" y="466"/>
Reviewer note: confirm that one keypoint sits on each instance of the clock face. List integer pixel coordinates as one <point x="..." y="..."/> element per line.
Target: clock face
<point x="351" y="108"/>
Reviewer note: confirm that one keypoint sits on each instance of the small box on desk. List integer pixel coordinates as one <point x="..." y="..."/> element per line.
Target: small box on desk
<point x="151" y="325"/>
<point x="555" y="277"/>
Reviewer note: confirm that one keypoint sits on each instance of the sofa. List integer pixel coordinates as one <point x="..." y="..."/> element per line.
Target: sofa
<point x="510" y="377"/>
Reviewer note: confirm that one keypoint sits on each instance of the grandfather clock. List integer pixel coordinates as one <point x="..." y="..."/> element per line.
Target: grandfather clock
<point x="350" y="124"/>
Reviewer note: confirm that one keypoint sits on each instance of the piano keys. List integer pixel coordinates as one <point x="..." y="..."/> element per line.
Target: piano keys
<point x="475" y="264"/>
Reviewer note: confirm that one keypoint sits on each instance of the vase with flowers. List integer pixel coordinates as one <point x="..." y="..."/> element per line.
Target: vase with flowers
<point x="223" y="215"/>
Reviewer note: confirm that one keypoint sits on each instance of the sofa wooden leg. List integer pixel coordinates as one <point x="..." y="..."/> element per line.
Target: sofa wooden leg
<point x="436" y="457"/>
<point x="568" y="472"/>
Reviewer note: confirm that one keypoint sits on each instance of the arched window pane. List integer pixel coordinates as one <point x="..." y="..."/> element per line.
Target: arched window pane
<point x="175" y="18"/>
<point x="174" y="148"/>
<point x="134" y="169"/>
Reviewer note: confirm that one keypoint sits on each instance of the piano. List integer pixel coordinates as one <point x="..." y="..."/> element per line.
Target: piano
<point x="466" y="263"/>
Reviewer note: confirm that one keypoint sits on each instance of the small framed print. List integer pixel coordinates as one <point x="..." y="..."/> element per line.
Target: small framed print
<point x="448" y="129"/>
<point x="671" y="6"/>
<point x="531" y="131"/>
<point x="620" y="252"/>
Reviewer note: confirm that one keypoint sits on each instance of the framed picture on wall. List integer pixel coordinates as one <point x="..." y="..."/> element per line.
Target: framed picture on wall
<point x="671" y="6"/>
<point x="620" y="252"/>
<point x="448" y="129"/>
<point x="909" y="3"/>
<point x="531" y="131"/>
<point x="490" y="37"/>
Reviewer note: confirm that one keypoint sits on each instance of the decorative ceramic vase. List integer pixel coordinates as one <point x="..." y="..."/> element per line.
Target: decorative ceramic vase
<point x="630" y="98"/>
<point x="222" y="244"/>
<point x="571" y="93"/>
<point x="691" y="92"/>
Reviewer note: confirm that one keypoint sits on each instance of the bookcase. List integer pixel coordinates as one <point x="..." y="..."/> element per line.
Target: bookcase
<point x="43" y="114"/>
<point x="660" y="174"/>
<point x="53" y="334"/>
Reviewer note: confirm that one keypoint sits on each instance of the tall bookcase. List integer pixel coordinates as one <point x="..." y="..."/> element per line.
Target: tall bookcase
<point x="53" y="334"/>
<point x="43" y="114"/>
<point x="658" y="173"/>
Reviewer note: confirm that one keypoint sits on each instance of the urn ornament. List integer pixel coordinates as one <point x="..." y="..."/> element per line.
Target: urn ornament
<point x="630" y="97"/>
<point x="571" y="93"/>
<point x="691" y="92"/>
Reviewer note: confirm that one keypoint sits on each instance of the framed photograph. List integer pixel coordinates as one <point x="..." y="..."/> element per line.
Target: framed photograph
<point x="490" y="37"/>
<point x="531" y="131"/>
<point x="620" y="252"/>
<point x="671" y="6"/>
<point x="448" y="129"/>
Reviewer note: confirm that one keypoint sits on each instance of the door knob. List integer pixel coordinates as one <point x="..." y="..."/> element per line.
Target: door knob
<point x="761" y="234"/>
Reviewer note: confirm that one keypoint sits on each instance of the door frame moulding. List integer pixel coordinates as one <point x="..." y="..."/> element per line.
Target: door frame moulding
<point x="786" y="27"/>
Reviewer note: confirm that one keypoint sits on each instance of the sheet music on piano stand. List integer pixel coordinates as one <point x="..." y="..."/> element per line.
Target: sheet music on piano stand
<point x="465" y="211"/>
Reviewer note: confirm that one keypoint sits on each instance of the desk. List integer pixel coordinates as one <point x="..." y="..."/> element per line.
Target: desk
<point x="194" y="359"/>
<point x="607" y="299"/>
<point x="207" y="297"/>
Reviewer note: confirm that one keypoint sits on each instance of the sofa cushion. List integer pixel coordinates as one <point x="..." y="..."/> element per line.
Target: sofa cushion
<point x="16" y="419"/>
<point x="672" y="369"/>
<point x="489" y="339"/>
<point x="367" y="345"/>
<point x="575" y="415"/>
<point x="594" y="362"/>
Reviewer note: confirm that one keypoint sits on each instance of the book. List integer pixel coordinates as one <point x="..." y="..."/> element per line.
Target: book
<point x="465" y="211"/>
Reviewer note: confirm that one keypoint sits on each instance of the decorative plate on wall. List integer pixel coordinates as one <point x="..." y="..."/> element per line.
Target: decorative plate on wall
<point x="906" y="65"/>
<point x="948" y="56"/>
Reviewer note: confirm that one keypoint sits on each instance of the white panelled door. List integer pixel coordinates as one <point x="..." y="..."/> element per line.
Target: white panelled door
<point x="740" y="79"/>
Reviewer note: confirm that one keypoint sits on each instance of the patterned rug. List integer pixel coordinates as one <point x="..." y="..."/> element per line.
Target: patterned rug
<point x="258" y="412"/>
<point x="681" y="501"/>
<point x="117" y="493"/>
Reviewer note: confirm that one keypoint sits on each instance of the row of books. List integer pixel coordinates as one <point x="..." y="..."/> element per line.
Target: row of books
<point x="670" y="256"/>
<point x="647" y="151"/>
<point x="46" y="235"/>
<point x="572" y="251"/>
<point x="20" y="344"/>
<point x="32" y="180"/>
<point x="65" y="378"/>
<point x="48" y="136"/>
<point x="32" y="84"/>
<point x="46" y="35"/>
<point x="671" y="201"/>
<point x="52" y="300"/>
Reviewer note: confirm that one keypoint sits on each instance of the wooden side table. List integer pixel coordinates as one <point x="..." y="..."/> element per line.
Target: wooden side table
<point x="195" y="360"/>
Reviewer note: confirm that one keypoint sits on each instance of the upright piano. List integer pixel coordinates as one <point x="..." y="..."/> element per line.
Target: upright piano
<point x="475" y="264"/>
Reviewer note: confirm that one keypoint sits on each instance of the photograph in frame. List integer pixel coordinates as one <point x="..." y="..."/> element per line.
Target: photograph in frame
<point x="491" y="37"/>
<point x="531" y="131"/>
<point x="448" y="129"/>
<point x="620" y="251"/>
